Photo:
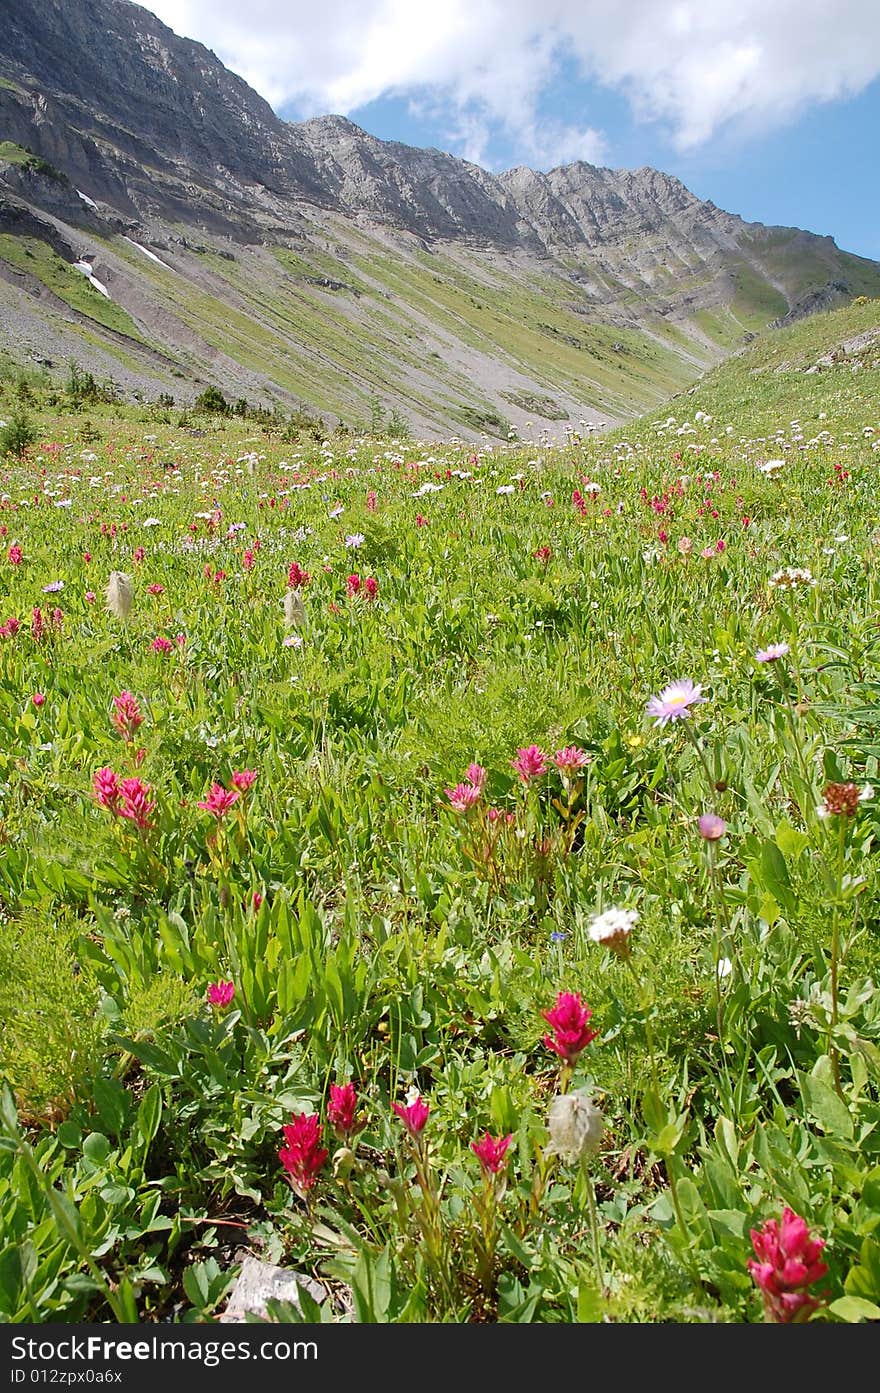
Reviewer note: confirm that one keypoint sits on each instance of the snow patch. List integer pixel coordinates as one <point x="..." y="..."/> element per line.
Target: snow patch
<point x="85" y="198"/>
<point x="146" y="251"/>
<point x="86" y="269"/>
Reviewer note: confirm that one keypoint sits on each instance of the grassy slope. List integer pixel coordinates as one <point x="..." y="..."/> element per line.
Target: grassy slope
<point x="450" y="336"/>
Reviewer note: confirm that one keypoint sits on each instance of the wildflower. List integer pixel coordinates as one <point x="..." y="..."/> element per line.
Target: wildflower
<point x="413" y="1115"/>
<point x="155" y="589"/>
<point x="127" y="715"/>
<point x="675" y="701"/>
<point x="476" y="775"/>
<point x="342" y="1109"/>
<point x="243" y="779"/>
<point x="790" y="577"/>
<point x="293" y="641"/>
<point x="38" y="699"/>
<point x="371" y="587"/>
<point x="542" y="554"/>
<point x="772" y="652"/>
<point x="90" y="597"/>
<point x="530" y="762"/>
<point x="105" y="787"/>
<point x="297" y="577"/>
<point x="136" y="803"/>
<point x="569" y="760"/>
<point x="53" y="587"/>
<point x="786" y="1262"/>
<point x="352" y="585"/>
<point x="462" y="797"/>
<point x="219" y="800"/>
<point x="613" y="929"/>
<point x="37" y="624"/>
<point x="711" y="827"/>
<point x="571" y="1033"/>
<point x="356" y="539"/>
<point x="841" y="800"/>
<point x="491" y="1152"/>
<point x="303" y="1156"/>
<point x="15" y="555"/>
<point x="771" y="467"/>
<point x="161" y="645"/>
<point x="120" y="593"/>
<point x="138" y="554"/>
<point x="221" y="993"/>
<point x="576" y="1126"/>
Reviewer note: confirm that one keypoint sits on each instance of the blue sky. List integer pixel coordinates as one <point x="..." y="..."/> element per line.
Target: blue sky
<point x="770" y="108"/>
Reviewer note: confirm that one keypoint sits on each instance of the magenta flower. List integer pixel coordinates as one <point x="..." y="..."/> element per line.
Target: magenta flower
<point x="243" y="779"/>
<point x="105" y="787"/>
<point x="675" y="701"/>
<point x="530" y="762"/>
<point x="491" y="1152"/>
<point x="161" y="645"/>
<point x="303" y="1156"/>
<point x="462" y="797"/>
<point x="353" y="584"/>
<point x="413" y="1116"/>
<point x="371" y="587"/>
<point x="297" y="577"/>
<point x="772" y="652"/>
<point x="342" y="1109"/>
<point x="38" y="699"/>
<point x="711" y="827"/>
<point x="219" y="800"/>
<point x="136" y="803"/>
<point x="127" y="715"/>
<point x="571" y="1033"/>
<point x="476" y="775"/>
<point x="786" y="1262"/>
<point x="221" y="993"/>
<point x="570" y="760"/>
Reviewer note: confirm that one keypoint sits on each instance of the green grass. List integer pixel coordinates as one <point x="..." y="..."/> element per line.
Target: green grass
<point x="39" y="260"/>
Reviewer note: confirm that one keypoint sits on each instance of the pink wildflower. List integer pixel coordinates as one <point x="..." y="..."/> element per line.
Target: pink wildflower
<point x="221" y="993"/>
<point x="569" y="760"/>
<point x="711" y="827"/>
<point x="243" y="779"/>
<point x="15" y="555"/>
<point x="38" y="699"/>
<point x="571" y="1033"/>
<point x="105" y="787"/>
<point x="413" y="1116"/>
<point x="219" y="800"/>
<point x="530" y="762"/>
<point x="491" y="1152"/>
<point x="127" y="715"/>
<point x="352" y="585"/>
<point x="788" y="1261"/>
<point x="303" y="1156"/>
<point x="297" y="577"/>
<point x="342" y="1110"/>
<point x="162" y="645"/>
<point x="371" y="587"/>
<point x="476" y="775"/>
<point x="136" y="803"/>
<point x="462" y="797"/>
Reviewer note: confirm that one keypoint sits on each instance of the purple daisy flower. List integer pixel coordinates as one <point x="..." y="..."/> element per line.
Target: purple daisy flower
<point x="675" y="701"/>
<point x="772" y="652"/>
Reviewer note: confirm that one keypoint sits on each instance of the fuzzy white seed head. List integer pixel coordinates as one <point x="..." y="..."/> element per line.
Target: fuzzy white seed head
<point x="576" y="1126"/>
<point x="294" y="609"/>
<point x="120" y="593"/>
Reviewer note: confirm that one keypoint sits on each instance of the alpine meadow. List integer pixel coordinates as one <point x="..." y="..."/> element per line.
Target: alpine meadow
<point x="439" y="736"/>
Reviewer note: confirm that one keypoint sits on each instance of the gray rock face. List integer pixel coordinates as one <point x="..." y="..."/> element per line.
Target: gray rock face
<point x="173" y="151"/>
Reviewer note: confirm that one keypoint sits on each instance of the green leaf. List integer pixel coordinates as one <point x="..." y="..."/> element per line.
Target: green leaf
<point x="149" y="1113"/>
<point x="854" y="1308"/>
<point x="826" y="1107"/>
<point x="790" y="840"/>
<point x="96" y="1148"/>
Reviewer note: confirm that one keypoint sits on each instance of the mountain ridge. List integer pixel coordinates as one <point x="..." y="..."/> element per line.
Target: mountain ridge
<point x="148" y="137"/>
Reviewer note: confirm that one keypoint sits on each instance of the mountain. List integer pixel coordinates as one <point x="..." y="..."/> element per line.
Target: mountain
<point x="163" y="228"/>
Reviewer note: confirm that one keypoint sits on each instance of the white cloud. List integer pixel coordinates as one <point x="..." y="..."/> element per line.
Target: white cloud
<point x="691" y="65"/>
